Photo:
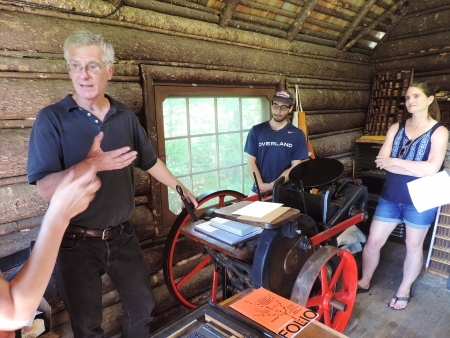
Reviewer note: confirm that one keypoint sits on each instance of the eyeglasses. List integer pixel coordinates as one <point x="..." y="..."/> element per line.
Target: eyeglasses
<point x="405" y="148"/>
<point x="91" y="68"/>
<point x="282" y="108"/>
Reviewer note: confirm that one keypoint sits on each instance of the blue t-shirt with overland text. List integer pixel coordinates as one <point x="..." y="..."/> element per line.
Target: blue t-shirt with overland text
<point x="275" y="149"/>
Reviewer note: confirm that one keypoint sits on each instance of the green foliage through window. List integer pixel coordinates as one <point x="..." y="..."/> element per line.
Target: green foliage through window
<point x="204" y="141"/>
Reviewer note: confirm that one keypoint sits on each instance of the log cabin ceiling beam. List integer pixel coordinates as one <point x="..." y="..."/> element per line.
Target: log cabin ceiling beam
<point x="331" y="12"/>
<point x="382" y="4"/>
<point x="327" y="11"/>
<point x="227" y="13"/>
<point x="261" y="21"/>
<point x="397" y="19"/>
<point x="326" y="25"/>
<point x="278" y="29"/>
<point x="397" y="60"/>
<point x="299" y="3"/>
<point x="384" y="16"/>
<point x="321" y="35"/>
<point x="197" y="13"/>
<point x="356" y="9"/>
<point x="115" y="3"/>
<point x="202" y="2"/>
<point x="300" y="19"/>
<point x="418" y="34"/>
<point x="329" y="43"/>
<point x="355" y="23"/>
<point x="284" y="26"/>
<point x="268" y="9"/>
<point x="181" y="3"/>
<point x="242" y="25"/>
<point x="437" y="9"/>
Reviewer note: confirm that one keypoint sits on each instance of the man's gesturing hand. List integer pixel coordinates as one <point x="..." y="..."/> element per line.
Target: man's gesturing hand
<point x="110" y="160"/>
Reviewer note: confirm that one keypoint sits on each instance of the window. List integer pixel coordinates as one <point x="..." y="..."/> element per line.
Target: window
<point x="201" y="136"/>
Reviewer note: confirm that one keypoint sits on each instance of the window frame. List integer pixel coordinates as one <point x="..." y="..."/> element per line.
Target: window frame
<point x="163" y="91"/>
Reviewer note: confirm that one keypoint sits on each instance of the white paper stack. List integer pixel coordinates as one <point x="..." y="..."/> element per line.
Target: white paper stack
<point x="225" y="236"/>
<point x="430" y="191"/>
<point x="234" y="227"/>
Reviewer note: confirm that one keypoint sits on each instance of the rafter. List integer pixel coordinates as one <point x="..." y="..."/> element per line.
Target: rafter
<point x="403" y="10"/>
<point x="268" y="9"/>
<point x="355" y="23"/>
<point x="227" y="13"/>
<point x="384" y="16"/>
<point x="300" y="19"/>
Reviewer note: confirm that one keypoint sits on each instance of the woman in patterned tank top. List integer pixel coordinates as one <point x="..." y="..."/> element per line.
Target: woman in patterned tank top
<point x="413" y="148"/>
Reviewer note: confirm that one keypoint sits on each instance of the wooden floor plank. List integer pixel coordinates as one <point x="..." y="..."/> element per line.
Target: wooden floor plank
<point x="426" y="316"/>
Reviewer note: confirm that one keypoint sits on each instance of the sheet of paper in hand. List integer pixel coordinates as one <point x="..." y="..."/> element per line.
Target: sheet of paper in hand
<point x="430" y="191"/>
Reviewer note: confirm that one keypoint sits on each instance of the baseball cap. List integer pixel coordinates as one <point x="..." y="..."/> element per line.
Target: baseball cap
<point x="284" y="96"/>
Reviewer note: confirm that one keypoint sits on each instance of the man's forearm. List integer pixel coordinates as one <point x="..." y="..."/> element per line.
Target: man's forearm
<point x="163" y="175"/>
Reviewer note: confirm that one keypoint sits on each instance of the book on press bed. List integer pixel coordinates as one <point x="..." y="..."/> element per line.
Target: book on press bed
<point x="225" y="236"/>
<point x="234" y="227"/>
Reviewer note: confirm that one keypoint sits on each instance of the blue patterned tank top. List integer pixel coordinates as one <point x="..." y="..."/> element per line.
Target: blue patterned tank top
<point x="395" y="187"/>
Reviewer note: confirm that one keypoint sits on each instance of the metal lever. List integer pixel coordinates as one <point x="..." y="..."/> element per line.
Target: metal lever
<point x="188" y="205"/>
<point x="257" y="188"/>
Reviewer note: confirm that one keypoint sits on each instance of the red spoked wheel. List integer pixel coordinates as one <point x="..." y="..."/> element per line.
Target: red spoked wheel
<point x="327" y="284"/>
<point x="183" y="280"/>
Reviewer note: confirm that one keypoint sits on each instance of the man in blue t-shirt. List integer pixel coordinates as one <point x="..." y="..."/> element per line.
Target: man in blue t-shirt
<point x="274" y="147"/>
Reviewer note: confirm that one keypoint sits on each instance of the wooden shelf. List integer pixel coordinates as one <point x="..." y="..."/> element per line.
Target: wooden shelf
<point x="438" y="261"/>
<point x="387" y="100"/>
<point x="444" y="107"/>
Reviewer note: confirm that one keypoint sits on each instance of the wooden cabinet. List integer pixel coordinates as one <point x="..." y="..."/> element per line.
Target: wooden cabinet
<point x="373" y="178"/>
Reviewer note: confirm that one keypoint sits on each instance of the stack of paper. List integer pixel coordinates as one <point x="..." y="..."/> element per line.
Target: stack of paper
<point x="225" y="236"/>
<point x="234" y="227"/>
<point x="259" y="211"/>
<point x="430" y="191"/>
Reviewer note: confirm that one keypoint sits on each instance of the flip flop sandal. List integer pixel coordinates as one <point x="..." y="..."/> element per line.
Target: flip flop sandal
<point x="362" y="290"/>
<point x="404" y="299"/>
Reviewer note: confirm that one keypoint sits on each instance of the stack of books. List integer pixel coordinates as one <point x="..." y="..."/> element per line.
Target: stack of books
<point x="228" y="231"/>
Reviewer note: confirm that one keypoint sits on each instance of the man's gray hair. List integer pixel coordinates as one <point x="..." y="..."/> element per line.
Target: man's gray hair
<point x="84" y="38"/>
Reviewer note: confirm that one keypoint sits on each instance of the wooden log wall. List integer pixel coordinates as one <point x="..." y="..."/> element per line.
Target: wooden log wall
<point x="334" y="89"/>
<point x="420" y="41"/>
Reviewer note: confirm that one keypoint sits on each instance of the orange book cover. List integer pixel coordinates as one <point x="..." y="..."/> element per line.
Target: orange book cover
<point x="278" y="314"/>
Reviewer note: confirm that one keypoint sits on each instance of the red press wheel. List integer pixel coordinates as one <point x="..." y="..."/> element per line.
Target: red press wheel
<point x="327" y="285"/>
<point x="182" y="284"/>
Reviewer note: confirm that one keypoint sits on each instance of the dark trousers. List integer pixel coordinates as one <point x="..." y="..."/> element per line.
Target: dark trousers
<point x="80" y="265"/>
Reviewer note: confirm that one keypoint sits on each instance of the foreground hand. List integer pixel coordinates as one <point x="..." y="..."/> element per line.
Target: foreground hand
<point x="110" y="160"/>
<point x="73" y="195"/>
<point x="265" y="187"/>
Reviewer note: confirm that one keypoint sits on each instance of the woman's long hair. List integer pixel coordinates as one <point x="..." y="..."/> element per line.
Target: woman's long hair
<point x="433" y="109"/>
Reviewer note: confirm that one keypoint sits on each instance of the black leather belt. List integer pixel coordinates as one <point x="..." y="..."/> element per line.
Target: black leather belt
<point x="108" y="233"/>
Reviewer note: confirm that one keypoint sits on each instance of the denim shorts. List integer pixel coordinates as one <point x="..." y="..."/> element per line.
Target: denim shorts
<point x="404" y="213"/>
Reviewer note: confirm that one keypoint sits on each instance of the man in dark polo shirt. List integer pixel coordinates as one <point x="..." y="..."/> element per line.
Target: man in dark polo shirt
<point x="90" y="129"/>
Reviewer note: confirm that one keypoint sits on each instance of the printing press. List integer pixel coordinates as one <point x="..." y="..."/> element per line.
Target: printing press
<point x="295" y="256"/>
